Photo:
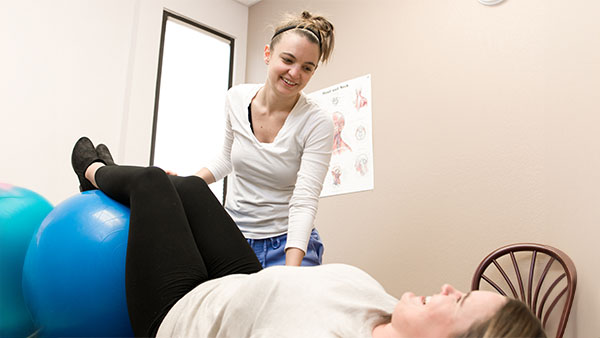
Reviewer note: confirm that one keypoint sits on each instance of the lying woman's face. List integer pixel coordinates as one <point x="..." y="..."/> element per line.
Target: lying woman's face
<point x="444" y="314"/>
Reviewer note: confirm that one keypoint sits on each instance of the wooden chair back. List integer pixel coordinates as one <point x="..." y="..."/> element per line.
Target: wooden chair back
<point x="537" y="274"/>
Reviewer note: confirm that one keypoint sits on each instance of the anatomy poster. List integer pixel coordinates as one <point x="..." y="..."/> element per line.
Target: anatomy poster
<point x="351" y="167"/>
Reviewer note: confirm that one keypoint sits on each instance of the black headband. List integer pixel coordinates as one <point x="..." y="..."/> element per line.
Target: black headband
<point x="285" y="29"/>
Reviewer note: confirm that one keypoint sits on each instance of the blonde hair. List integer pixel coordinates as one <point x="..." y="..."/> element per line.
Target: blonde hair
<point x="513" y="319"/>
<point x="315" y="28"/>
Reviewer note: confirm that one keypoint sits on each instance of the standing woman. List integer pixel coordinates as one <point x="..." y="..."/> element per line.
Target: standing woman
<point x="277" y="147"/>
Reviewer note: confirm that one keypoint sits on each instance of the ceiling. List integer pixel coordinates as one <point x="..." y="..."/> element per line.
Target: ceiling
<point x="248" y="3"/>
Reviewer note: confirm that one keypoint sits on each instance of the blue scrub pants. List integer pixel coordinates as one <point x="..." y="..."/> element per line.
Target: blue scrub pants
<point x="271" y="251"/>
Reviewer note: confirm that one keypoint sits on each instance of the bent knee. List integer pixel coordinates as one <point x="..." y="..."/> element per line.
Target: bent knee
<point x="194" y="183"/>
<point x="190" y="186"/>
<point x="149" y="177"/>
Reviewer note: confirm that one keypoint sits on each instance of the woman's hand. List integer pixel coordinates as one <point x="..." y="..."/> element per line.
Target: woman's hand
<point x="293" y="256"/>
<point x="170" y="172"/>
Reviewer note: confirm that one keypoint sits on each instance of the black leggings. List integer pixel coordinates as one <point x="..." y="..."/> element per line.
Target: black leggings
<point x="179" y="237"/>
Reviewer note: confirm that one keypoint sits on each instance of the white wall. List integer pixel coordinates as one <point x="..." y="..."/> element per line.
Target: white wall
<point x="72" y="67"/>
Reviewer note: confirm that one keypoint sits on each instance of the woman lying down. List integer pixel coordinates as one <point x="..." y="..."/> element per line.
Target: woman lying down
<point x="191" y="273"/>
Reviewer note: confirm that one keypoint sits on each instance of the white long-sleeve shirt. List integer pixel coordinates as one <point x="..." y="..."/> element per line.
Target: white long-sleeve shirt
<point x="331" y="300"/>
<point x="274" y="188"/>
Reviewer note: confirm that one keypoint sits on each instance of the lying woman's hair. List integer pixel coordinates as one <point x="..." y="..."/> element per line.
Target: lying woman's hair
<point x="514" y="319"/>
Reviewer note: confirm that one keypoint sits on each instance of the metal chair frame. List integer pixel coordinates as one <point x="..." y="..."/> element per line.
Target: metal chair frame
<point x="527" y="293"/>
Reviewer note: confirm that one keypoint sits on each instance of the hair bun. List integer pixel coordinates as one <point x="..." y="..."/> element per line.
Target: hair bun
<point x="318" y="25"/>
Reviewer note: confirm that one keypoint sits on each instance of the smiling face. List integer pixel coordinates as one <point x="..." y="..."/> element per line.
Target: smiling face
<point x="444" y="314"/>
<point x="291" y="64"/>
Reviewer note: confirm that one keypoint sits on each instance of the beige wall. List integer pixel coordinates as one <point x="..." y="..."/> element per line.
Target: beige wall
<point x="486" y="123"/>
<point x="87" y="67"/>
<point x="486" y="119"/>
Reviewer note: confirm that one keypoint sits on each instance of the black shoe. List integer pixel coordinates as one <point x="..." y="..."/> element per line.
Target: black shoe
<point x="104" y="154"/>
<point x="83" y="155"/>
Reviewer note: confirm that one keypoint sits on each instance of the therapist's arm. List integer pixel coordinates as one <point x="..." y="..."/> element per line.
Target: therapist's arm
<point x="314" y="164"/>
<point x="206" y="175"/>
<point x="293" y="256"/>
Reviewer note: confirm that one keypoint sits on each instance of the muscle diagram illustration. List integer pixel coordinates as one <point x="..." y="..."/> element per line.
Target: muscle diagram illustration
<point x="339" y="146"/>
<point x="349" y="104"/>
<point x="361" y="164"/>
<point x="336" y="173"/>
<point x="360" y="133"/>
<point x="360" y="100"/>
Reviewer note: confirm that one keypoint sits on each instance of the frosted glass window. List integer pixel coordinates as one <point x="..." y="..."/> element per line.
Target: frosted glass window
<point x="195" y="71"/>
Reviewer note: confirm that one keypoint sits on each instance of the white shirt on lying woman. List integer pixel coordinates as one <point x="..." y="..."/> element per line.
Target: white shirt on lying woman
<point x="332" y="300"/>
<point x="274" y="187"/>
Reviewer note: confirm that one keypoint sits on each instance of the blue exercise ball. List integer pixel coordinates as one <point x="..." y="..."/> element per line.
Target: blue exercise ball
<point x="74" y="271"/>
<point x="21" y="212"/>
